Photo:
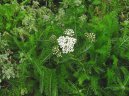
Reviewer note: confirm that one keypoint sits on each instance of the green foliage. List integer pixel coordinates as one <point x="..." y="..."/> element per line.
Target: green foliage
<point x="29" y="32"/>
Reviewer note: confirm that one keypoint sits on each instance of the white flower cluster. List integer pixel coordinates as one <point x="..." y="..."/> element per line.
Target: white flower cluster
<point x="8" y="71"/>
<point x="56" y="51"/>
<point x="90" y="36"/>
<point x="69" y="32"/>
<point x="67" y="43"/>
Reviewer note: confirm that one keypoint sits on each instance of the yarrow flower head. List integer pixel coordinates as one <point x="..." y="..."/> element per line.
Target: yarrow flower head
<point x="90" y="36"/>
<point x="66" y="43"/>
<point x="8" y="71"/>
<point x="56" y="51"/>
<point x="69" y="32"/>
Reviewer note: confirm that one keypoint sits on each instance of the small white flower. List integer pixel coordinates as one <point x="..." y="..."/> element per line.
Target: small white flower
<point x="66" y="43"/>
<point x="69" y="32"/>
<point x="8" y="71"/>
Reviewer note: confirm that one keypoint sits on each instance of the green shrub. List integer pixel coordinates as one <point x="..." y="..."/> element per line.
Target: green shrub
<point x="64" y="48"/>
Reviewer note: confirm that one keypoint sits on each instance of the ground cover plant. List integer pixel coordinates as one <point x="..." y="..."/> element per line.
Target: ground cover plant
<point x="64" y="48"/>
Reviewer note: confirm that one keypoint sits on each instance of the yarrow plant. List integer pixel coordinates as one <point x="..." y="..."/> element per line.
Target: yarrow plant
<point x="88" y="58"/>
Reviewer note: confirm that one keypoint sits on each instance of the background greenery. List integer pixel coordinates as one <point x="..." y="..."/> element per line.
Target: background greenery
<point x="29" y="30"/>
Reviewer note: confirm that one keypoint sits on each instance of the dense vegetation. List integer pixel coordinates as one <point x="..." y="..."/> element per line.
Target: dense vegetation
<point x="64" y="48"/>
